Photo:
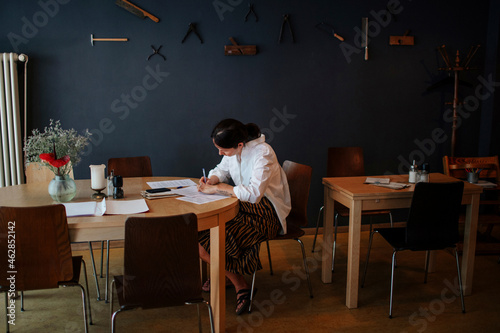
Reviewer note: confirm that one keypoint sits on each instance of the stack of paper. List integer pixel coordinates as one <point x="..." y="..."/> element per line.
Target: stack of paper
<point x="158" y="195"/>
<point x="94" y="208"/>
<point x="385" y="182"/>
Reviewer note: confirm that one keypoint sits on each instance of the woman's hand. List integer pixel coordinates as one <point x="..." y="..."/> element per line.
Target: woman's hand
<point x="220" y="188"/>
<point x="207" y="188"/>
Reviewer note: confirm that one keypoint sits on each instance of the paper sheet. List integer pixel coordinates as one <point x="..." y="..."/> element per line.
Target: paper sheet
<point x="171" y="183"/>
<point x="94" y="208"/>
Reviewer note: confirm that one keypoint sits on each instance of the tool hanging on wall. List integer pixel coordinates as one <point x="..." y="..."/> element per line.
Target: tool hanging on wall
<point x="328" y="29"/>
<point x="92" y="39"/>
<point x="456" y="68"/>
<point x="251" y="11"/>
<point x="286" y="19"/>
<point x="157" y="51"/>
<point x="192" y="28"/>
<point x="236" y="49"/>
<point x="402" y="40"/>
<point x="364" y="35"/>
<point x="137" y="11"/>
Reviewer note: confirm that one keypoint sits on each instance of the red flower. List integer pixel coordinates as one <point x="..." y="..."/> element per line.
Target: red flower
<point x="52" y="159"/>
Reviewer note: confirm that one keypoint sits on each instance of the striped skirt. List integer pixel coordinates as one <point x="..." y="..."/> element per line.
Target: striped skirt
<point x="254" y="224"/>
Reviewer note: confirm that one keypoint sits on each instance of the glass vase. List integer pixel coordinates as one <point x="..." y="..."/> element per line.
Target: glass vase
<point x="62" y="188"/>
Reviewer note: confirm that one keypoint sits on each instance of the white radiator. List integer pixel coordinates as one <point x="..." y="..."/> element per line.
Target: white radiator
<point x="11" y="142"/>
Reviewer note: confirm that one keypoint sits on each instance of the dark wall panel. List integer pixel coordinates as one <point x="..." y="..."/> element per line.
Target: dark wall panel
<point x="306" y="96"/>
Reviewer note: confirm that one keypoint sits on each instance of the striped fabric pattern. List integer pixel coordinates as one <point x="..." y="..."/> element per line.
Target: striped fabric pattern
<point x="254" y="224"/>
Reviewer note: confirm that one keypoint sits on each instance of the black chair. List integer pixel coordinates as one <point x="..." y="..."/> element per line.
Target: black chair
<point x="432" y="225"/>
<point x="161" y="265"/>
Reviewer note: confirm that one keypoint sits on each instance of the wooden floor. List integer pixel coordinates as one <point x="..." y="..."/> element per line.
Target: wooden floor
<point x="283" y="304"/>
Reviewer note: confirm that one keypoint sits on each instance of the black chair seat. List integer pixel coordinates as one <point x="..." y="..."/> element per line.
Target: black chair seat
<point x="396" y="237"/>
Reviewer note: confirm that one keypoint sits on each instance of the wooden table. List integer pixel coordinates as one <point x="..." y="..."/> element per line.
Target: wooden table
<point x="352" y="193"/>
<point x="211" y="216"/>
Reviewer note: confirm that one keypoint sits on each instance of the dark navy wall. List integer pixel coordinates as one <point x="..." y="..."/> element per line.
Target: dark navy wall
<point x="306" y="96"/>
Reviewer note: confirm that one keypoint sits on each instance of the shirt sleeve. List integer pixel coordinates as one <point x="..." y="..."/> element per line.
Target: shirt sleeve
<point x="263" y="168"/>
<point x="221" y="170"/>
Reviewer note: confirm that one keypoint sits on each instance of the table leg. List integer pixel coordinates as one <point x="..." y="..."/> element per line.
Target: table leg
<point x="469" y="249"/>
<point x="327" y="245"/>
<point x="217" y="276"/>
<point x="353" y="255"/>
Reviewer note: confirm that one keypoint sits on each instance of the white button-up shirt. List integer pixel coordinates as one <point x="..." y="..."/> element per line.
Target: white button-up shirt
<point x="256" y="174"/>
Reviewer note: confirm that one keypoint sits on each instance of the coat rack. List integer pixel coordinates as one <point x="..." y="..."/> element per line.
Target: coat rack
<point x="456" y="68"/>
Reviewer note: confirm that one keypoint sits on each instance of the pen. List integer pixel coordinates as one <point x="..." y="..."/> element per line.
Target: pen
<point x="204" y="177"/>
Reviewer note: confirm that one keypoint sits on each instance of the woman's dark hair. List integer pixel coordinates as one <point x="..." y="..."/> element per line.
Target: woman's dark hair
<point x="228" y="133"/>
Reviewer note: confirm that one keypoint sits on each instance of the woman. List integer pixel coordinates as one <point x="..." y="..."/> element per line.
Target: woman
<point x="261" y="186"/>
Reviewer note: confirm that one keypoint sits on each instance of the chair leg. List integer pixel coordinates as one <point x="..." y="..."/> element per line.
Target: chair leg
<point x="22" y="301"/>
<point x="336" y="219"/>
<point x="102" y="255"/>
<point x="87" y="290"/>
<point x="427" y="259"/>
<point x="367" y="258"/>
<point x="211" y="316"/>
<point x="200" y="329"/>
<point x="252" y="291"/>
<point x="320" y="214"/>
<point x="460" y="281"/>
<point x="269" y="256"/>
<point x="94" y="272"/>
<point x="305" y="266"/>
<point x="390" y="219"/>
<point x="392" y="281"/>
<point x="106" y="299"/>
<point x="6" y="313"/>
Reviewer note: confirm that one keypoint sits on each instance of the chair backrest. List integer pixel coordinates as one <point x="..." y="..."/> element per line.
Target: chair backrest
<point x="139" y="166"/>
<point x="456" y="166"/>
<point x="40" y="237"/>
<point x="433" y="217"/>
<point x="38" y="173"/>
<point x="161" y="261"/>
<point x="345" y="162"/>
<point x="299" y="182"/>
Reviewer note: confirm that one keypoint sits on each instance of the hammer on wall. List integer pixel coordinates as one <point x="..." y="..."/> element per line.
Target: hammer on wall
<point x="92" y="39"/>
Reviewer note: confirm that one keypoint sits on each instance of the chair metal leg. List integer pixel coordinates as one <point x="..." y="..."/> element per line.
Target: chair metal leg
<point x="427" y="259"/>
<point x="22" y="301"/>
<point x="460" y="280"/>
<point x="252" y="291"/>
<point x="392" y="281"/>
<point x="336" y="219"/>
<point x="390" y="219"/>
<point x="367" y="259"/>
<point x="87" y="290"/>
<point x="320" y="214"/>
<point x="102" y="255"/>
<point x="200" y="329"/>
<point x="94" y="272"/>
<point x="269" y="256"/>
<point x="211" y="316"/>
<point x="6" y="313"/>
<point x="106" y="299"/>
<point x="305" y="266"/>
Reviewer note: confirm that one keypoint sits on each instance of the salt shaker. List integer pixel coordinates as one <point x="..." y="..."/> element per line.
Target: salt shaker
<point x="110" y="183"/>
<point x="412" y="176"/>
<point x="423" y="174"/>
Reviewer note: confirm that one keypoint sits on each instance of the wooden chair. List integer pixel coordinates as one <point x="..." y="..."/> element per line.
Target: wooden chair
<point x="490" y="200"/>
<point x="38" y="173"/>
<point x="432" y="225"/>
<point x="161" y="265"/>
<point x="299" y="182"/>
<point x="345" y="162"/>
<point x="139" y="166"/>
<point x="35" y="243"/>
